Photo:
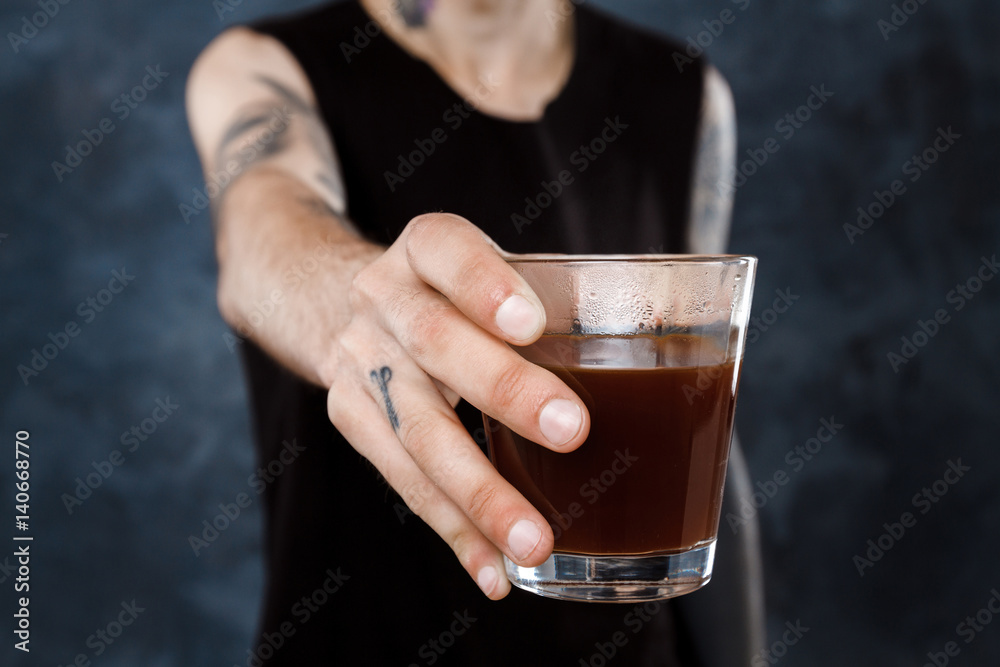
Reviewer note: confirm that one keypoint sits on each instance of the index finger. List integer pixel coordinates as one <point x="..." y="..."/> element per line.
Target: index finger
<point x="456" y="258"/>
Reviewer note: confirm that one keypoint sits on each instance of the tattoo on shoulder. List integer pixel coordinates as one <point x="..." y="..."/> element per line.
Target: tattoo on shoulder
<point x="265" y="123"/>
<point x="289" y="96"/>
<point x="317" y="133"/>
<point x="260" y="132"/>
<point x="265" y="130"/>
<point x="381" y="377"/>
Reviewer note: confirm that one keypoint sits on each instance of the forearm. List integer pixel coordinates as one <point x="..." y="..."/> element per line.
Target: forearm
<point x="286" y="262"/>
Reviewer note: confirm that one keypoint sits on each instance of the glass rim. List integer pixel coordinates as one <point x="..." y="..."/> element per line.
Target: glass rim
<point x="677" y="258"/>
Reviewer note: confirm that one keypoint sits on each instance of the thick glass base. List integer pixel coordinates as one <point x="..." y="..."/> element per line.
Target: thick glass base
<point x="616" y="578"/>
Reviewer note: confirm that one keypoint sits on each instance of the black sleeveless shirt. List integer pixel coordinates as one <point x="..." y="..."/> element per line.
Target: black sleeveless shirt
<point x="352" y="577"/>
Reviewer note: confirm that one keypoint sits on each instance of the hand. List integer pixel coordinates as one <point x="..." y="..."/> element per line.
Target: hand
<point x="430" y="321"/>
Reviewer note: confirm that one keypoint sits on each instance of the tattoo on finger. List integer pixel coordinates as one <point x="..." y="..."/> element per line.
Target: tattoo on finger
<point x="381" y="377"/>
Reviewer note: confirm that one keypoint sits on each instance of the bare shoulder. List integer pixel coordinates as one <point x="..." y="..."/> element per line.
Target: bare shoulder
<point x="228" y="74"/>
<point x="240" y="49"/>
<point x="250" y="104"/>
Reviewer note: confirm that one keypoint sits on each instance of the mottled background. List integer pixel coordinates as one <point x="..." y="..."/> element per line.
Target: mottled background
<point x="824" y="357"/>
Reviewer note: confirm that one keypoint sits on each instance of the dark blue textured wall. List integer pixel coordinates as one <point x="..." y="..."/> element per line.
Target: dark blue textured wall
<point x="853" y="297"/>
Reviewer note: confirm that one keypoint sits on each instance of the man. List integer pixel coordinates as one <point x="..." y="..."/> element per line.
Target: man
<point x="548" y="129"/>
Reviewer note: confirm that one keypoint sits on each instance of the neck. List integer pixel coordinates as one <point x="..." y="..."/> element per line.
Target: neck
<point x="523" y="47"/>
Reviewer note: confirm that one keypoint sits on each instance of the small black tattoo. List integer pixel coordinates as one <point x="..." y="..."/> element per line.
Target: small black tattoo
<point x="381" y="377"/>
<point x="414" y="12"/>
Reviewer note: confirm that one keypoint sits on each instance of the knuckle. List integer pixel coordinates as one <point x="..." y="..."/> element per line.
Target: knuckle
<point x="335" y="402"/>
<point x="508" y="386"/>
<point x="421" y="230"/>
<point x="428" y="329"/>
<point x="342" y="390"/>
<point x="482" y="501"/>
<point x="419" y="433"/>
<point x="351" y="342"/>
<point x="417" y="495"/>
<point x="464" y="542"/>
<point x="362" y="287"/>
<point x="426" y="229"/>
<point x="475" y="275"/>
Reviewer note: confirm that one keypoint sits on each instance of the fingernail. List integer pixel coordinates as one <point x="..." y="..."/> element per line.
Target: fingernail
<point x="560" y="421"/>
<point x="523" y="538"/>
<point x="517" y="318"/>
<point x="487" y="579"/>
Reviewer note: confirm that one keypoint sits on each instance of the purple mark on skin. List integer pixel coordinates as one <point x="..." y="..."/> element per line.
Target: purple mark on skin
<point x="414" y="12"/>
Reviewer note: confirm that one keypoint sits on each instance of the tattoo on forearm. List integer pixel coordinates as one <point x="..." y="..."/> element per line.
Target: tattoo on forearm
<point x="381" y="377"/>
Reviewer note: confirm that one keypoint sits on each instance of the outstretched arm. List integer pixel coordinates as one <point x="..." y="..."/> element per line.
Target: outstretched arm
<point x="255" y="124"/>
<point x="396" y="334"/>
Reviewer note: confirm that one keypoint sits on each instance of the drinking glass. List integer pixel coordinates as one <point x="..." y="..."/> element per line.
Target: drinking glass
<point x="653" y="345"/>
